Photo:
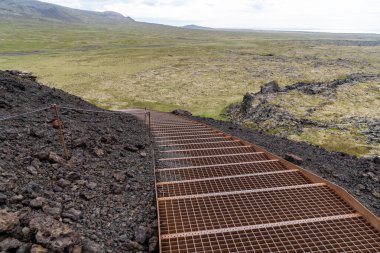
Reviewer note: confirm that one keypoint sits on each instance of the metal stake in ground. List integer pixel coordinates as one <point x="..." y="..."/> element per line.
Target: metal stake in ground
<point x="150" y="129"/>
<point x="60" y="127"/>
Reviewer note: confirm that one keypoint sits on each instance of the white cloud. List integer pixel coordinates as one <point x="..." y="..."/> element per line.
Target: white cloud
<point x="324" y="15"/>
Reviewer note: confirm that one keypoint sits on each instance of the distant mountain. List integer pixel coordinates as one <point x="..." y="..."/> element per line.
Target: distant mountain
<point x="32" y="9"/>
<point x="197" y="27"/>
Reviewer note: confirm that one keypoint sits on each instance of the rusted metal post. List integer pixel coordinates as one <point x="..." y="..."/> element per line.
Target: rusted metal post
<point x="149" y="129"/>
<point x="146" y="124"/>
<point x="60" y="126"/>
<point x="145" y="118"/>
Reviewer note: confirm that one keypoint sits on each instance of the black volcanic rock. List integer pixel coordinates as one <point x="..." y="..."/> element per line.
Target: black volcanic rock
<point x="39" y="186"/>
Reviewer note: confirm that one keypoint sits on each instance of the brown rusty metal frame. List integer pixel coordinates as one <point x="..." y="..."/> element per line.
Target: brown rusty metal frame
<point x="372" y="219"/>
<point x="176" y="242"/>
<point x="61" y="132"/>
<point x="316" y="235"/>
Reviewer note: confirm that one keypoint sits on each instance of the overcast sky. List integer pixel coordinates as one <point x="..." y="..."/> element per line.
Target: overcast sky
<point x="310" y="15"/>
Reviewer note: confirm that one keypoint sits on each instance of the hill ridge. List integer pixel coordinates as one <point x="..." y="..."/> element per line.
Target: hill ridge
<point x="38" y="10"/>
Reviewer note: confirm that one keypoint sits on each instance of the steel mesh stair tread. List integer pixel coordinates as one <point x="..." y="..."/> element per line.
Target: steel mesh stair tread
<point x="216" y="193"/>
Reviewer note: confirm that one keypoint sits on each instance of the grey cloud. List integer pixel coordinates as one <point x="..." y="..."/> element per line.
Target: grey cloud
<point x="88" y="4"/>
<point x="166" y="3"/>
<point x="99" y="4"/>
<point x="179" y="2"/>
<point x="259" y="5"/>
<point x="150" y="2"/>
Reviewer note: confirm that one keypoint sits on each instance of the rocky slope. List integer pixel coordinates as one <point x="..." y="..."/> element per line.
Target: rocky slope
<point x="99" y="200"/>
<point x="341" y="115"/>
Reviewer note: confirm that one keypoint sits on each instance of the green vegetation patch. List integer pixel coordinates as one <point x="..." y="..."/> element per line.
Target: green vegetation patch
<point x="337" y="140"/>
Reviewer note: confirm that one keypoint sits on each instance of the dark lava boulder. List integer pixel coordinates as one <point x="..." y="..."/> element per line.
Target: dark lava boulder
<point x="270" y="87"/>
<point x="182" y="112"/>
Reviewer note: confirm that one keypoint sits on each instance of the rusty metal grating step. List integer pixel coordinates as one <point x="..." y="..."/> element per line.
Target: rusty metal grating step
<point x="182" y="137"/>
<point x="219" y="171"/>
<point x="207" y="152"/>
<point x="162" y="134"/>
<point x="186" y="134"/>
<point x="175" y="130"/>
<point x="245" y="209"/>
<point x="207" y="156"/>
<point x="200" y="145"/>
<point x="192" y="140"/>
<point x="212" y="160"/>
<point x="341" y="235"/>
<point x="171" y="131"/>
<point x="230" y="184"/>
<point x="178" y="127"/>
<point x="174" y="121"/>
<point x="175" y="125"/>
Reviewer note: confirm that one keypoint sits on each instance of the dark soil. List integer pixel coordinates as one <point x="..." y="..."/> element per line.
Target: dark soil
<point x="360" y="177"/>
<point x="100" y="200"/>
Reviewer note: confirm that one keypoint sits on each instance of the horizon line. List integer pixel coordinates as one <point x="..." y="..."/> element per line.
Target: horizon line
<point x="306" y="30"/>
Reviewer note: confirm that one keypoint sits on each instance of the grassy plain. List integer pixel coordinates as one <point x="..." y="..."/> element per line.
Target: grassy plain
<point x="160" y="67"/>
<point x="164" y="68"/>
